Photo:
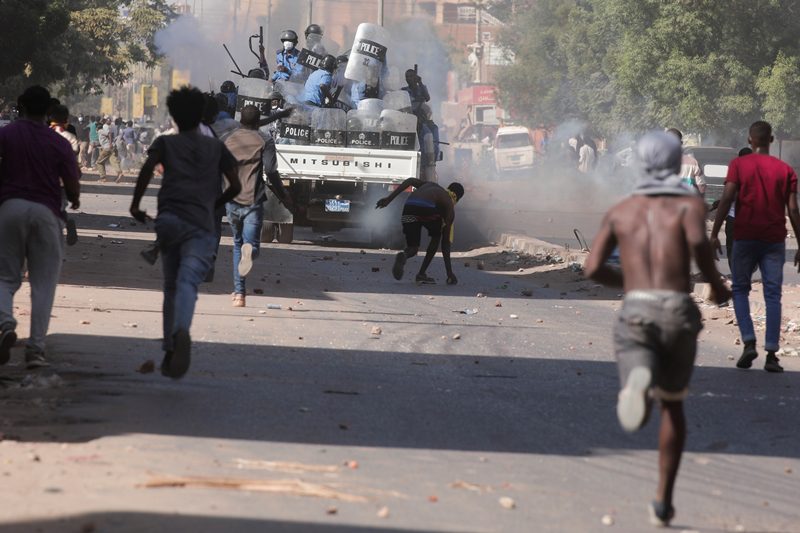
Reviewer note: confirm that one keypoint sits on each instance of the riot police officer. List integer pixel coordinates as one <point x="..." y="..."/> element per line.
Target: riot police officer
<point x="318" y="87"/>
<point x="314" y="39"/>
<point x="286" y="58"/>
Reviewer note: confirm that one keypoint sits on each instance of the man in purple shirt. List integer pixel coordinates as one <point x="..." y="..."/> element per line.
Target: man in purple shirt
<point x="34" y="162"/>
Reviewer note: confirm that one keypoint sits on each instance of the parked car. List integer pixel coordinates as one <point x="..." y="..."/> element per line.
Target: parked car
<point x="713" y="161"/>
<point x="513" y="149"/>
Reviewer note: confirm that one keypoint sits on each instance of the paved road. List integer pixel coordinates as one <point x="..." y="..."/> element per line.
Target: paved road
<point x="339" y="429"/>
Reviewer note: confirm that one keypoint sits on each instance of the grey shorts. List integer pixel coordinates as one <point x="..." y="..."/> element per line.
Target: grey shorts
<point x="658" y="330"/>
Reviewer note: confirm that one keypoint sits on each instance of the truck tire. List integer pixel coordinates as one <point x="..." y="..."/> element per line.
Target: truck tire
<point x="285" y="233"/>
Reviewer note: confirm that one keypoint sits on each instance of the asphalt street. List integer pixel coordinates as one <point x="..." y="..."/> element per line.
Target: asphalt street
<point x="367" y="404"/>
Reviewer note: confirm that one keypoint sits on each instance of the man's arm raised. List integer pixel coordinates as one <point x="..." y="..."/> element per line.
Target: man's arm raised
<point x="410" y="182"/>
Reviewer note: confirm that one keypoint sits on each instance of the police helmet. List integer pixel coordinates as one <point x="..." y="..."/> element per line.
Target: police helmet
<point x="289" y="35"/>
<point x="315" y="29"/>
<point x="227" y="87"/>
<point x="342" y="59"/>
<point x="257" y="73"/>
<point x="276" y="95"/>
<point x="328" y="63"/>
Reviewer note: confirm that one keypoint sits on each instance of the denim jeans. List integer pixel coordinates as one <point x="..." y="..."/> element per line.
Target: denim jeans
<point x="770" y="258"/>
<point x="245" y="223"/>
<point x="187" y="253"/>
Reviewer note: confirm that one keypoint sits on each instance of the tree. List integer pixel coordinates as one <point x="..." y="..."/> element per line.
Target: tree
<point x="77" y="44"/>
<point x="778" y="85"/>
<point x="630" y="65"/>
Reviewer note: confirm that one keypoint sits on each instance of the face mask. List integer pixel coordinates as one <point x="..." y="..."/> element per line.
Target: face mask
<point x="288" y="45"/>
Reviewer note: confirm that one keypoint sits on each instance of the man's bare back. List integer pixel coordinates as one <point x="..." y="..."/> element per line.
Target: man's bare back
<point x="657" y="237"/>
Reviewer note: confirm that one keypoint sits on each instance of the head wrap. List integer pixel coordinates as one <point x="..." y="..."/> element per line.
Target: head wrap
<point x="658" y="161"/>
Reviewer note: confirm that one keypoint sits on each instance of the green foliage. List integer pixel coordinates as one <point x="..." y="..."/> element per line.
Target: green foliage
<point x="701" y="65"/>
<point x="77" y="44"/>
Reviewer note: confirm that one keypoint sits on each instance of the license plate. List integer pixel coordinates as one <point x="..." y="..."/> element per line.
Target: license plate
<point x="333" y="205"/>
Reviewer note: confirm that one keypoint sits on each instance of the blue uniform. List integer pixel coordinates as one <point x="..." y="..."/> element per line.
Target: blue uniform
<point x="312" y="94"/>
<point x="288" y="60"/>
<point x="357" y="92"/>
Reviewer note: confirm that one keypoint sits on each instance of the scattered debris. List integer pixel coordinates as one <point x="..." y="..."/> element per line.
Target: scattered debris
<point x="363" y="252"/>
<point x="36" y="381"/>
<point x="344" y="427"/>
<point x="498" y="303"/>
<point x="513" y="317"/>
<point x="607" y="520"/>
<point x="258" y="291"/>
<point x="289" y="468"/>
<point x="468" y="312"/>
<point x="457" y="336"/>
<point x="527" y="292"/>
<point x="433" y="498"/>
<point x="148" y="367"/>
<point x="466" y="486"/>
<point x="480" y="295"/>
<point x="507" y="503"/>
<point x="352" y="465"/>
<point x="295" y="487"/>
<point x="480" y="265"/>
<point x="376" y="269"/>
<point x="274" y="306"/>
<point x="344" y="392"/>
<point x="113" y="225"/>
<point x="383" y="512"/>
<point x="376" y="331"/>
<point x="117" y="242"/>
<point x="130" y="325"/>
<point x="331" y="510"/>
<point x="84" y="322"/>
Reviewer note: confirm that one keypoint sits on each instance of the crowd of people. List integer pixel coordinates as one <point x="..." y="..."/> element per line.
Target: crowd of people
<point x="213" y="165"/>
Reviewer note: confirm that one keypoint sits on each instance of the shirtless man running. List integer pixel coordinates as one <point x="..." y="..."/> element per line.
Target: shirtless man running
<point x="432" y="207"/>
<point x="658" y="230"/>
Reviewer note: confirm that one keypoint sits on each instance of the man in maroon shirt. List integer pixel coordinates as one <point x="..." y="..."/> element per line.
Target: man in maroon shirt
<point x="34" y="162"/>
<point x="765" y="188"/>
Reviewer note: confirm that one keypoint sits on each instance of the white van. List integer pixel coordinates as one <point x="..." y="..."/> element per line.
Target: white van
<point x="513" y="148"/>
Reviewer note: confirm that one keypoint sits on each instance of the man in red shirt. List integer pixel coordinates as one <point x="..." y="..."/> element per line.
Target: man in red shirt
<point x="764" y="188"/>
<point x="34" y="162"/>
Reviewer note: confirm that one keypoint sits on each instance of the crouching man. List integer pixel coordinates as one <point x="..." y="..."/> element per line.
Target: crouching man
<point x="431" y="207"/>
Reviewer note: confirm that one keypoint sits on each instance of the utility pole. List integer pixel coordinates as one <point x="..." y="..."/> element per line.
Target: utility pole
<point x="380" y="12"/>
<point x="478" y="40"/>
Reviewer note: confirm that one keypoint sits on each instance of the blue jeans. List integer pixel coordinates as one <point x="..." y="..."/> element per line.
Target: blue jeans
<point x="187" y="253"/>
<point x="245" y="221"/>
<point x="770" y="258"/>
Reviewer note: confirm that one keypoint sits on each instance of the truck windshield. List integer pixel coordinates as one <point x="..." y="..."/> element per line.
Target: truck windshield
<point x="514" y="140"/>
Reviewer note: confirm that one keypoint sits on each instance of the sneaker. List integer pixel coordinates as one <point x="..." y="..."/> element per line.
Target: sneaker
<point x="773" y="364"/>
<point x="660" y="514"/>
<point x="165" y="364"/>
<point x="399" y="264"/>
<point x="748" y="355"/>
<point x="633" y="402"/>
<point x="181" y="355"/>
<point x="238" y="300"/>
<point x="35" y="360"/>
<point x="422" y="279"/>
<point x="7" y="340"/>
<point x="150" y="254"/>
<point x="72" y="232"/>
<point x="246" y="261"/>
